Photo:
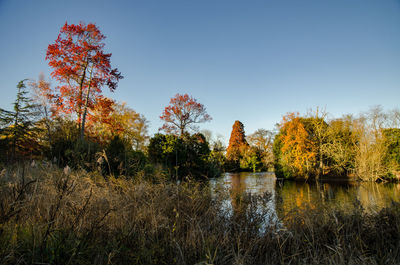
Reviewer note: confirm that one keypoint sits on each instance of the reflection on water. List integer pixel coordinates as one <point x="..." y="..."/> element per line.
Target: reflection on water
<point x="372" y="197"/>
<point x="239" y="185"/>
<point x="287" y="195"/>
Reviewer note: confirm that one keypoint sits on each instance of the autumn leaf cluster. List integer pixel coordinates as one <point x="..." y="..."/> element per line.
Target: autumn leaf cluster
<point x="183" y="113"/>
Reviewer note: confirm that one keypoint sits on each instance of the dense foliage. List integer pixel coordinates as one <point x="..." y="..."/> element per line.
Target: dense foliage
<point x="312" y="147"/>
<point x="187" y="156"/>
<point x="82" y="67"/>
<point x="392" y="155"/>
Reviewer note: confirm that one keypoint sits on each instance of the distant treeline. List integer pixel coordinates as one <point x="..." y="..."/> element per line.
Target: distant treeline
<point x="311" y="146"/>
<point x="74" y="124"/>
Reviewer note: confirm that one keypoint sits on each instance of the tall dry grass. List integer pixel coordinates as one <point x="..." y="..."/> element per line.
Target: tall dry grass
<point x="53" y="216"/>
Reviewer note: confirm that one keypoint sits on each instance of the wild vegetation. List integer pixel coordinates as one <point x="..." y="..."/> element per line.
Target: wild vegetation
<point x="82" y="182"/>
<point x="56" y="216"/>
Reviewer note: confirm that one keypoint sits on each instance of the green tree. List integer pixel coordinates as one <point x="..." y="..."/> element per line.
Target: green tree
<point x="282" y="170"/>
<point x="18" y="131"/>
<point x="392" y="155"/>
<point x="182" y="156"/>
<point x="251" y="160"/>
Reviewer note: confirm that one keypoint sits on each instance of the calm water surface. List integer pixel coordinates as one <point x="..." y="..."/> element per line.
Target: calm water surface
<point x="287" y="195"/>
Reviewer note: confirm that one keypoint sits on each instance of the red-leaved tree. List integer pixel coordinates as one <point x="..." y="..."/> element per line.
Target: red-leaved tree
<point x="182" y="114"/>
<point x="82" y="68"/>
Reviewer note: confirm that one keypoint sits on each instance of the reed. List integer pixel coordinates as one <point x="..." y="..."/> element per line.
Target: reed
<point x="54" y="216"/>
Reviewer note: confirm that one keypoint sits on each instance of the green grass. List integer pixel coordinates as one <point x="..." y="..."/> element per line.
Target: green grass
<point x="49" y="217"/>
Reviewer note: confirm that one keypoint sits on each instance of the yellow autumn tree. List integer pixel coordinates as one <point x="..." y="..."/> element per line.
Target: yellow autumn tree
<point x="121" y="121"/>
<point x="298" y="150"/>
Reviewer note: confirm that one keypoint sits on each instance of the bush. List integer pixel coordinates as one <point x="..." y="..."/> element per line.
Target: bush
<point x="75" y="153"/>
<point x="121" y="159"/>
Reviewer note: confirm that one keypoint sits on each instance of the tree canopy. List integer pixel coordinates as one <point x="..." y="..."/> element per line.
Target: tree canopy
<point x="182" y="115"/>
<point x="82" y="67"/>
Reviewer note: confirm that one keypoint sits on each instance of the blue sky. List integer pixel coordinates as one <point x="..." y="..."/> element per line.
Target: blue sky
<point x="251" y="61"/>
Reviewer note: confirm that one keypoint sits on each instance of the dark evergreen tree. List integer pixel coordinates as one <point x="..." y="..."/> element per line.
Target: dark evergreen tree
<point x="17" y="127"/>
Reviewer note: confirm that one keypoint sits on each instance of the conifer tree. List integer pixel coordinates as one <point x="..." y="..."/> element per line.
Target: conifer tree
<point x="237" y="143"/>
<point x="17" y="127"/>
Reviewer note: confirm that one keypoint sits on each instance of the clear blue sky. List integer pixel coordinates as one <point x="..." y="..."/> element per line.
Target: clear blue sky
<point x="251" y="61"/>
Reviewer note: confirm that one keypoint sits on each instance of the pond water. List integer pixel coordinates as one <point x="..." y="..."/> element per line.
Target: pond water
<point x="287" y="195"/>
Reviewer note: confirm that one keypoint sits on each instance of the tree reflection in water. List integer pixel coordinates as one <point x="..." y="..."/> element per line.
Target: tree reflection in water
<point x="287" y="196"/>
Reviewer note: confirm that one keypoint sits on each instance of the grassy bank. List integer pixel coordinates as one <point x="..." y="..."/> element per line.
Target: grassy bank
<point x="50" y="215"/>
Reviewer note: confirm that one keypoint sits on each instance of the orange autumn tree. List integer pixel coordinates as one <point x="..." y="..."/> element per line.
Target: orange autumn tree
<point x="237" y="146"/>
<point x="297" y="148"/>
<point x="182" y="115"/>
<point x="237" y="141"/>
<point x="120" y="121"/>
<point x="82" y="68"/>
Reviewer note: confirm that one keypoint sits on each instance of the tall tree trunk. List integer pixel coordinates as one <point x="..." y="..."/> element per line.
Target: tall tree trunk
<point x="81" y="94"/>
<point x="321" y="164"/>
<point x="84" y="115"/>
<point x="47" y="124"/>
<point x="14" y="142"/>
<point x="86" y="106"/>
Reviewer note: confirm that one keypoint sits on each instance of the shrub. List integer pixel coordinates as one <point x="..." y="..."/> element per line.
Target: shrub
<point x="120" y="159"/>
